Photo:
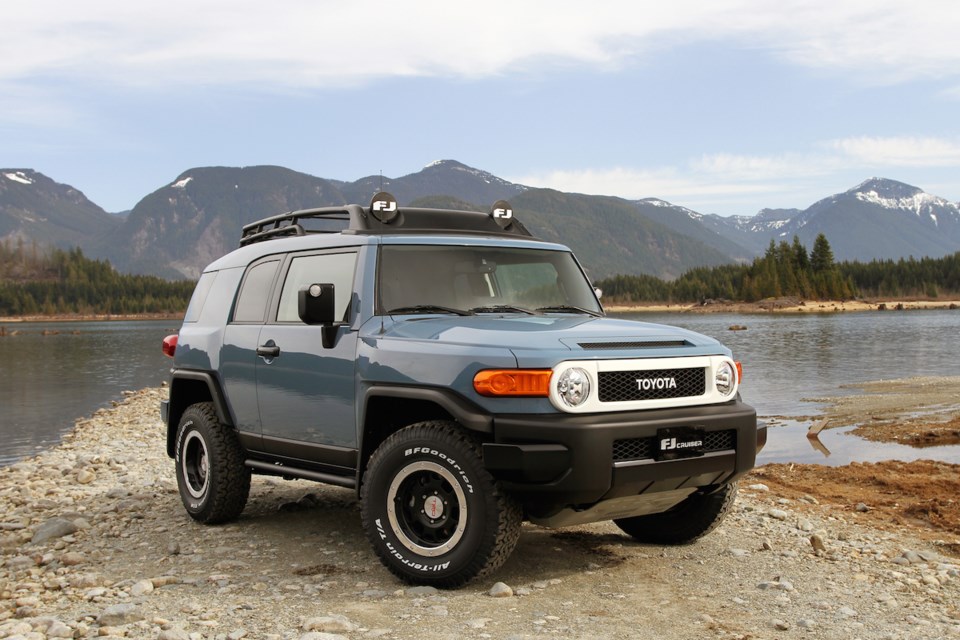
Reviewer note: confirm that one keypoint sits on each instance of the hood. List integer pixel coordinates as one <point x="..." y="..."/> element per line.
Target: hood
<point x="533" y="337"/>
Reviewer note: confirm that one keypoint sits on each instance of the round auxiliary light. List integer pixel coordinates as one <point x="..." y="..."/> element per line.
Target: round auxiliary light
<point x="573" y="386"/>
<point x="383" y="207"/>
<point x="502" y="213"/>
<point x="725" y="378"/>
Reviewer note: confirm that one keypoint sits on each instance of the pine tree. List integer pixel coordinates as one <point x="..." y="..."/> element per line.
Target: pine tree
<point x="822" y="257"/>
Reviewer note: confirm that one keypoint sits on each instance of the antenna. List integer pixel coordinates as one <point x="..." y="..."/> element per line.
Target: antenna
<point x="381" y="179"/>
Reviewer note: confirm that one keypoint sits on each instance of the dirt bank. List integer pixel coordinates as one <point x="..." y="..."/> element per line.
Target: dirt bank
<point x="95" y="542"/>
<point x="920" y="411"/>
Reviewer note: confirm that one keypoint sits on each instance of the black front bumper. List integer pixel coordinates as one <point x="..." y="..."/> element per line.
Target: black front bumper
<point x="552" y="461"/>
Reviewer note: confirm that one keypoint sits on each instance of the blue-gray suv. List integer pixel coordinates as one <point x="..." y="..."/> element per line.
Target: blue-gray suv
<point x="460" y="375"/>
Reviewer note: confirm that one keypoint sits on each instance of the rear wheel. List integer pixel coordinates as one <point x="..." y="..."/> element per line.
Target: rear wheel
<point x="432" y="511"/>
<point x="213" y="481"/>
<point x="690" y="520"/>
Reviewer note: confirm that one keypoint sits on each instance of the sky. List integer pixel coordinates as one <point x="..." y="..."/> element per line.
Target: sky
<point x="722" y="106"/>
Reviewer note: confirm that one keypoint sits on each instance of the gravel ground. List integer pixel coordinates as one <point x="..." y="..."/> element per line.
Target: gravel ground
<point x="95" y="542"/>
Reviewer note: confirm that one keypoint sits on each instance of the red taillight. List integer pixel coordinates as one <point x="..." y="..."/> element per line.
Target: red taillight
<point x="170" y="345"/>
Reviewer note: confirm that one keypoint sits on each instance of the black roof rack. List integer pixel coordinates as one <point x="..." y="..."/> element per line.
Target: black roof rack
<point x="384" y="216"/>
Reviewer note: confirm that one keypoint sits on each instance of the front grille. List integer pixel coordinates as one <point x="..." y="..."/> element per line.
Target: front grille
<point x="632" y="449"/>
<point x="642" y="448"/>
<point x="655" y="344"/>
<point x="627" y="386"/>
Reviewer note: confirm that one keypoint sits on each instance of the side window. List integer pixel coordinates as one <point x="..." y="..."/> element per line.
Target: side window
<point x="199" y="296"/>
<point x="336" y="268"/>
<point x="255" y="292"/>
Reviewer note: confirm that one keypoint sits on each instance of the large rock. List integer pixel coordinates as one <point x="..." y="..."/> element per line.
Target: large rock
<point x="119" y="614"/>
<point x="53" y="528"/>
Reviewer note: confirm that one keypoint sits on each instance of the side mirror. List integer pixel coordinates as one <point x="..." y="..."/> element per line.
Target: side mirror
<point x="316" y="305"/>
<point x="598" y="292"/>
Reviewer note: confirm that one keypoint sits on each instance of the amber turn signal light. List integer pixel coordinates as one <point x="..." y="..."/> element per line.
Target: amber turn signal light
<point x="513" y="382"/>
<point x="739" y="372"/>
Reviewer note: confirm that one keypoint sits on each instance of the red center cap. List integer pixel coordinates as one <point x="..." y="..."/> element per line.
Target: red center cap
<point x="433" y="507"/>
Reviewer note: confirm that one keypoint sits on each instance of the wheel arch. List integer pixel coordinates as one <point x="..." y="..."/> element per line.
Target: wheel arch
<point x="191" y="387"/>
<point x="388" y="409"/>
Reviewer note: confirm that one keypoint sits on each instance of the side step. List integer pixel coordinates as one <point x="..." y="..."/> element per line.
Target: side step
<point x="349" y="482"/>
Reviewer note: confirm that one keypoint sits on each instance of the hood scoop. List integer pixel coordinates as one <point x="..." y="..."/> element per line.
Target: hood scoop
<point x="622" y="344"/>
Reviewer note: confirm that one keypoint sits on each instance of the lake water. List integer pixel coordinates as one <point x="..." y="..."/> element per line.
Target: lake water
<point x="48" y="381"/>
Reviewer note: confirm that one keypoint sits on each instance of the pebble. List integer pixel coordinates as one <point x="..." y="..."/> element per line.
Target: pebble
<point x="331" y="623"/>
<point x="500" y="590"/>
<point x="777" y="514"/>
<point x="141" y="588"/>
<point x="816" y="541"/>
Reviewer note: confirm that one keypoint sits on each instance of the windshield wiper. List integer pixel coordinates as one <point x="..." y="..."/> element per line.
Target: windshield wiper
<point x="569" y="308"/>
<point x="430" y="308"/>
<point x="499" y="308"/>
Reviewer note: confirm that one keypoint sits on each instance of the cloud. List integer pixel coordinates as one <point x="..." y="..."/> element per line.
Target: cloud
<point x="899" y="151"/>
<point x="321" y="43"/>
<point x="730" y="182"/>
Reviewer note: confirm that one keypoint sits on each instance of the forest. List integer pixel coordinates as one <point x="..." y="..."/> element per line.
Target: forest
<point x="787" y="269"/>
<point x="34" y="281"/>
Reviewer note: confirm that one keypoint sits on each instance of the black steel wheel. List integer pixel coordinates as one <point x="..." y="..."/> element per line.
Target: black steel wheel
<point x="213" y="481"/>
<point x="432" y="512"/>
<point x="690" y="520"/>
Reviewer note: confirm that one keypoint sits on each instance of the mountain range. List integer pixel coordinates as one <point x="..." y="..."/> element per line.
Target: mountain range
<point x="185" y="224"/>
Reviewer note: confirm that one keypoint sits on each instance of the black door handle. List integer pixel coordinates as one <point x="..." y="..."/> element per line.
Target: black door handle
<point x="268" y="351"/>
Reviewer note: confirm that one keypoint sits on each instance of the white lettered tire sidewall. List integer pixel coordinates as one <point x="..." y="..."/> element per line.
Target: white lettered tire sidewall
<point x="470" y="513"/>
<point x="191" y="443"/>
<point x="213" y="481"/>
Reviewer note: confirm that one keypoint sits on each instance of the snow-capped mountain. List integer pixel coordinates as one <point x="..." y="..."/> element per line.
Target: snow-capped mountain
<point x="196" y="217"/>
<point x="35" y="208"/>
<point x="877" y="219"/>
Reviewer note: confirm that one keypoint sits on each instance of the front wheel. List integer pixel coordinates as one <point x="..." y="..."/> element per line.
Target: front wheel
<point x="213" y="481"/>
<point x="433" y="513"/>
<point x="690" y="520"/>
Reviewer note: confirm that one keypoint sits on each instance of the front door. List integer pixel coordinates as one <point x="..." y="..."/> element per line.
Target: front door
<point x="306" y="392"/>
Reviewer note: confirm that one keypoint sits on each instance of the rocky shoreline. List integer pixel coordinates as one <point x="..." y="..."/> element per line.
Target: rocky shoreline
<point x="94" y="542"/>
<point x="788" y="305"/>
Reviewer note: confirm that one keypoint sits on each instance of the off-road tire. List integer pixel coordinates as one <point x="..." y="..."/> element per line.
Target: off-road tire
<point x="434" y="515"/>
<point x="690" y="520"/>
<point x="213" y="481"/>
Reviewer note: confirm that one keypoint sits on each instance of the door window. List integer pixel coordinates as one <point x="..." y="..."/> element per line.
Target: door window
<point x="336" y="268"/>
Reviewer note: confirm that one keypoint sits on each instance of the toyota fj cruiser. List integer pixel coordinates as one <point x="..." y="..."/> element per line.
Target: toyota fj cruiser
<point x="460" y="375"/>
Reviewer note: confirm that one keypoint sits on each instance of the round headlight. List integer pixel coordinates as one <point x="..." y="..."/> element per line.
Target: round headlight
<point x="573" y="386"/>
<point x="725" y="378"/>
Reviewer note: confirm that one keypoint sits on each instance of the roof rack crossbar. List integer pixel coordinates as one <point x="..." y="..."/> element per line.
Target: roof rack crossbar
<point x="289" y="224"/>
<point x="384" y="216"/>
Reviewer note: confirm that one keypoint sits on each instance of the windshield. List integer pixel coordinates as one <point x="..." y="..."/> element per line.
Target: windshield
<point x="431" y="279"/>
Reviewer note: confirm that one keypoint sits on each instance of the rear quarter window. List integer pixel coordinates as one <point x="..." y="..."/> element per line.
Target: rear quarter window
<point x="255" y="292"/>
<point x="199" y="297"/>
